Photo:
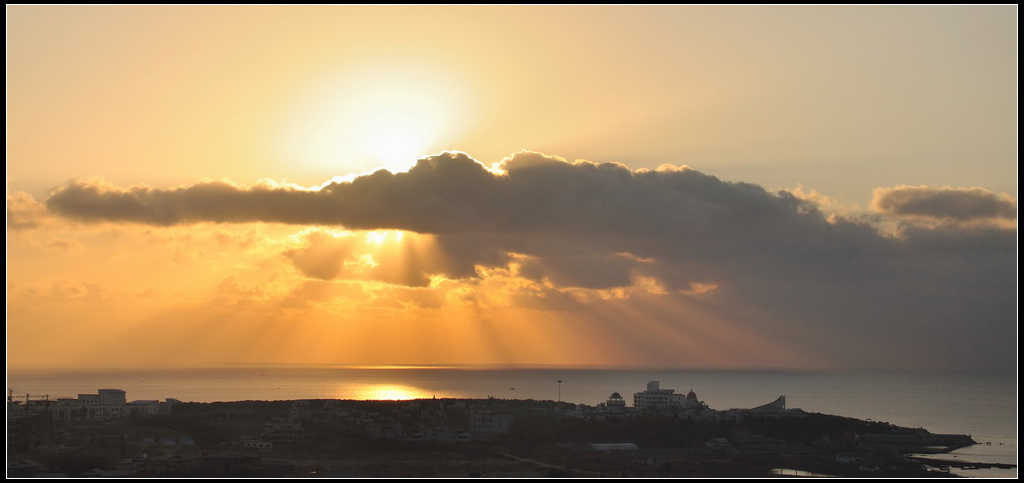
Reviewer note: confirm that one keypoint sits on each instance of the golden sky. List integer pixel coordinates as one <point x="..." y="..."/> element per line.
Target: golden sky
<point x="827" y="187"/>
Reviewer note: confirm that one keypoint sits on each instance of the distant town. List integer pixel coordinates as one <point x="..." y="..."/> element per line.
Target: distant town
<point x="663" y="433"/>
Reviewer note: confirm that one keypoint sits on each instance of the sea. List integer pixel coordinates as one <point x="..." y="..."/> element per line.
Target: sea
<point x="981" y="405"/>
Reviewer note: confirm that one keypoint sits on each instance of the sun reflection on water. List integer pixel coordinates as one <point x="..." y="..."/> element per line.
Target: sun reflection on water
<point x="383" y="392"/>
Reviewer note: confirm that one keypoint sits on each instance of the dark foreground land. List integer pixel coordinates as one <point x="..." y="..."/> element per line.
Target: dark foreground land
<point x="492" y="438"/>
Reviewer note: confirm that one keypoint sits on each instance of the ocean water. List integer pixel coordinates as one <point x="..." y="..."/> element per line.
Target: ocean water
<point x="984" y="406"/>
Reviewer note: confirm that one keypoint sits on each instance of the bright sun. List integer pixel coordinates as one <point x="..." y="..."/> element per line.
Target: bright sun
<point x="382" y="117"/>
<point x="396" y="134"/>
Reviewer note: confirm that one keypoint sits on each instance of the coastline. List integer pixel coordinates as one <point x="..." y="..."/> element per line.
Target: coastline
<point x="489" y="437"/>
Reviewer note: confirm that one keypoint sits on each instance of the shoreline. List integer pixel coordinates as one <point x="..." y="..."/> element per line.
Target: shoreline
<point x="546" y="437"/>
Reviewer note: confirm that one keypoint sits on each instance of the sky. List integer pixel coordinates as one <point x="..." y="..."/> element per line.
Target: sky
<point x="713" y="187"/>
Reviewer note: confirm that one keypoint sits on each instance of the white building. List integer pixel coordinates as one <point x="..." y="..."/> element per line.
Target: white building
<point x="656" y="398"/>
<point x="107" y="404"/>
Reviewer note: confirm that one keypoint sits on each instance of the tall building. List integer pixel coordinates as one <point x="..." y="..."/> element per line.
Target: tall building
<point x="656" y="397"/>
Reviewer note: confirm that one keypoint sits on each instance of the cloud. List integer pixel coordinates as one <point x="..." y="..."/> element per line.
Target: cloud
<point x="580" y="224"/>
<point x="451" y="192"/>
<point x="320" y="259"/>
<point x="216" y="201"/>
<point x="579" y="213"/>
<point x="961" y="204"/>
<point x="23" y="211"/>
<point x="582" y="238"/>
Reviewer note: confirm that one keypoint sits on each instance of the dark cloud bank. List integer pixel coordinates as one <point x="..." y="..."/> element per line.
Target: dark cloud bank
<point x="954" y="204"/>
<point x="941" y="294"/>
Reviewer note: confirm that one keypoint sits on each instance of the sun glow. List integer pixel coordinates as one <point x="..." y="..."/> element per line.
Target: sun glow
<point x="378" y="117"/>
<point x="389" y="392"/>
<point x="378" y="237"/>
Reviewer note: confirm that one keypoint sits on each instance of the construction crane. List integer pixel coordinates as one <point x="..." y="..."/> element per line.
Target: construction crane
<point x="39" y="397"/>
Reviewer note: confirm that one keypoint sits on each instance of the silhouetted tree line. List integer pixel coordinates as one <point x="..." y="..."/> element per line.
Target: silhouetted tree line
<point x="814" y="427"/>
<point x="654" y="431"/>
